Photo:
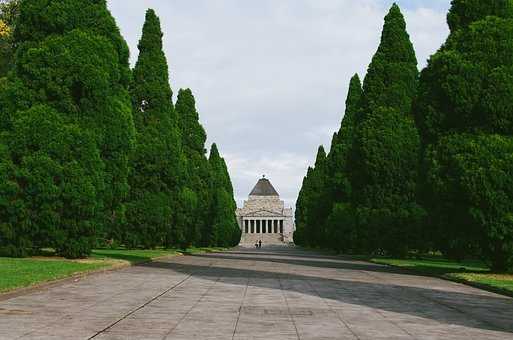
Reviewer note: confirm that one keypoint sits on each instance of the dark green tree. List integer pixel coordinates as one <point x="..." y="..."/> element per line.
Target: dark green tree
<point x="337" y="176"/>
<point x="195" y="213"/>
<point x="313" y="204"/>
<point x="157" y="166"/>
<point x="9" y="10"/>
<point x="301" y="213"/>
<point x="340" y="221"/>
<point x="71" y="77"/>
<point x="391" y="80"/>
<point x="224" y="229"/>
<point x="465" y="116"/>
<point x="386" y="149"/>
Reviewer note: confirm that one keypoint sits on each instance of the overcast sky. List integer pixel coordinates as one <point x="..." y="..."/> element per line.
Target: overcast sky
<point x="270" y="76"/>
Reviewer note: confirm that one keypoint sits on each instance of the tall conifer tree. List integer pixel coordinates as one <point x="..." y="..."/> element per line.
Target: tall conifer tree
<point x="66" y="119"/>
<point x="157" y="169"/>
<point x="338" y="184"/>
<point x="387" y="145"/>
<point x="465" y="115"/>
<point x="313" y="201"/>
<point x="301" y="210"/>
<point x="197" y="194"/>
<point x="225" y="231"/>
<point x="338" y="189"/>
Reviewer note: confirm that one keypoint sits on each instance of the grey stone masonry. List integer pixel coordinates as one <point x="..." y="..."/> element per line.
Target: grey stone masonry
<point x="264" y="217"/>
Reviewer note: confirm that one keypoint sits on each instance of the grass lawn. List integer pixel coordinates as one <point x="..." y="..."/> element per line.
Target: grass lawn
<point x="20" y="273"/>
<point x="193" y="251"/>
<point x="475" y="272"/>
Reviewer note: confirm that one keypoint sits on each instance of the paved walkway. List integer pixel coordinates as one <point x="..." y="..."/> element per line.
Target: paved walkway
<point x="267" y="294"/>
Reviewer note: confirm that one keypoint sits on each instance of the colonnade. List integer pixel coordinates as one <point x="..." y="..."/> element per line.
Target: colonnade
<point x="262" y="226"/>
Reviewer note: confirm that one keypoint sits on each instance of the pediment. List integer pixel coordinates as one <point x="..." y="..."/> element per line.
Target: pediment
<point x="263" y="213"/>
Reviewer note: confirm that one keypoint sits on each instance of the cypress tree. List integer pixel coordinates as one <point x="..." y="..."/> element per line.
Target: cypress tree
<point x="156" y="163"/>
<point x="465" y="116"/>
<point x="386" y="149"/>
<point x="225" y="231"/>
<point x="314" y="203"/>
<point x="338" y="185"/>
<point x="391" y="79"/>
<point x="70" y="81"/>
<point x="337" y="177"/>
<point x="301" y="213"/>
<point x="197" y="195"/>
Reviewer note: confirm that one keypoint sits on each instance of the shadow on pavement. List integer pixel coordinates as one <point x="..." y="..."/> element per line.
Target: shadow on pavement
<point x="447" y="306"/>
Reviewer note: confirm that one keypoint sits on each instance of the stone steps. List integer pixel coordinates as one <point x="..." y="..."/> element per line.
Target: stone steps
<point x="250" y="239"/>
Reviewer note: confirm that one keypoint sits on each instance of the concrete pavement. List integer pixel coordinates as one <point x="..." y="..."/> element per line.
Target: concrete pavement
<point x="275" y="293"/>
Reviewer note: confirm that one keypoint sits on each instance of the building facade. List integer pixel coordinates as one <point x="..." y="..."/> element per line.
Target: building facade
<point x="264" y="217"/>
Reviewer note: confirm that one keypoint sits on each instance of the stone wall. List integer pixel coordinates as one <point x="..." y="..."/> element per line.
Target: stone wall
<point x="266" y="208"/>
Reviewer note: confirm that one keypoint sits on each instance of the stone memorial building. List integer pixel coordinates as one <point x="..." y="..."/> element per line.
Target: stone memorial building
<point x="264" y="217"/>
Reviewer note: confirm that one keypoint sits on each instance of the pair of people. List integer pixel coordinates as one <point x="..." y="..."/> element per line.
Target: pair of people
<point x="258" y="244"/>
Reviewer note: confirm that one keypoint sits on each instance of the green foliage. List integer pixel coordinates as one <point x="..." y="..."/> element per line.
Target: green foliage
<point x="301" y="210"/>
<point x="198" y="169"/>
<point x="9" y="10"/>
<point x="391" y="79"/>
<point x="317" y="200"/>
<point x="55" y="185"/>
<point x="467" y="86"/>
<point x="66" y="105"/>
<point x="465" y="12"/>
<point x="384" y="158"/>
<point x="311" y="206"/>
<point x="225" y="231"/>
<point x="361" y="198"/>
<point x="465" y="117"/>
<point x="473" y="174"/>
<point x="338" y="185"/>
<point x="343" y="228"/>
<point x="157" y="164"/>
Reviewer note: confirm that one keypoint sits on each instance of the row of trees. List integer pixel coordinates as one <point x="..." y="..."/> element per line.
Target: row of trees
<point x="91" y="150"/>
<point x="423" y="162"/>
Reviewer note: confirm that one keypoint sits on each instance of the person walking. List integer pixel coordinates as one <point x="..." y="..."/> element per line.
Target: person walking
<point x="260" y="244"/>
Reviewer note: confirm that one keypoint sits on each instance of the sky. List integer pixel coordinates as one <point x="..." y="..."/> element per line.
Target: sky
<point x="270" y="77"/>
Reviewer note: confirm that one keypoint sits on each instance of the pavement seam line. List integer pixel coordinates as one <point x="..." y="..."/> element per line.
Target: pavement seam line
<point x="240" y="309"/>
<point x="288" y="308"/>
<point x="192" y="307"/>
<point x="141" y="307"/>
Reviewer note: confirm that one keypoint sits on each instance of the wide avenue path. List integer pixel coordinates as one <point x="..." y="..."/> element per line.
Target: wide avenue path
<point x="275" y="293"/>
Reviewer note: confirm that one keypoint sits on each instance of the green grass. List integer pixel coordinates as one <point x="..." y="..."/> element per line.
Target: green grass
<point x="437" y="266"/>
<point x="18" y="273"/>
<point x="473" y="272"/>
<point x="501" y="281"/>
<point x="201" y="250"/>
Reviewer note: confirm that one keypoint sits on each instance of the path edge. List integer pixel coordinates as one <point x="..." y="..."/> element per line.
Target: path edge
<point x="491" y="289"/>
<point x="76" y="277"/>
